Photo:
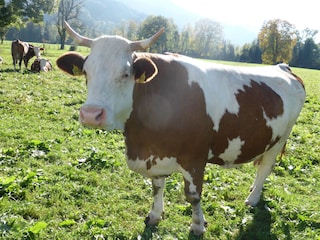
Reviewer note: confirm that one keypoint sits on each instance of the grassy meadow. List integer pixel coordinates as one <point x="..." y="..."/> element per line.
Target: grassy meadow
<point x="59" y="180"/>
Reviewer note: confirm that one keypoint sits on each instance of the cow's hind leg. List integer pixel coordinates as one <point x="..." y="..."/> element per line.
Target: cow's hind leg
<point x="155" y="215"/>
<point x="265" y="166"/>
<point x="20" y="61"/>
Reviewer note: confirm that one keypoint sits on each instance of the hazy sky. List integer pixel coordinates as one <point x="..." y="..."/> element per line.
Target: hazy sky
<point x="252" y="14"/>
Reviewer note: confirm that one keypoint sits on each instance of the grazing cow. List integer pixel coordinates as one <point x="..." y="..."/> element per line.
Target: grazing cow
<point x="178" y="113"/>
<point x="23" y="50"/>
<point x="41" y="64"/>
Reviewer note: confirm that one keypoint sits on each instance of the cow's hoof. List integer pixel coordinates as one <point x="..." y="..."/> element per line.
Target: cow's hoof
<point x="151" y="220"/>
<point x="251" y="203"/>
<point x="197" y="229"/>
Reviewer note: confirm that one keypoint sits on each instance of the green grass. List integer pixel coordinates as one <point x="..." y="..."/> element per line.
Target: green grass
<point x="59" y="180"/>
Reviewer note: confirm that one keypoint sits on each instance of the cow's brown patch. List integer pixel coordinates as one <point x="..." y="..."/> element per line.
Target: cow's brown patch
<point x="169" y="119"/>
<point x="249" y="124"/>
<point x="151" y="162"/>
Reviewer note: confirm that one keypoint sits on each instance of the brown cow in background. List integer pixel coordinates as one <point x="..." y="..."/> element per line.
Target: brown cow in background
<point x="23" y="50"/>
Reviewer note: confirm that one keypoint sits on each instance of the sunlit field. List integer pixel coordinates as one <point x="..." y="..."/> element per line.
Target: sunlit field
<point x="60" y="180"/>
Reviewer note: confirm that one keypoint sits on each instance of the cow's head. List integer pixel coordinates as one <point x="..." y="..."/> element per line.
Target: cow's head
<point x="111" y="70"/>
<point x="32" y="51"/>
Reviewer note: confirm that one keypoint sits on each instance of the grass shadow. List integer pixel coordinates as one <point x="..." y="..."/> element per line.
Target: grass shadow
<point x="148" y="232"/>
<point x="8" y="70"/>
<point x="260" y="226"/>
<point x="195" y="237"/>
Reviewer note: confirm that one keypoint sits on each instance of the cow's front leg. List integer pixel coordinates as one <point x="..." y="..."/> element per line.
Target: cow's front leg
<point x="193" y="188"/>
<point x="155" y="215"/>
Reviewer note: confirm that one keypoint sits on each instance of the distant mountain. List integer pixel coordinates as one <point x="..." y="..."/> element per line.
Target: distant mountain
<point x="113" y="12"/>
<point x="166" y="8"/>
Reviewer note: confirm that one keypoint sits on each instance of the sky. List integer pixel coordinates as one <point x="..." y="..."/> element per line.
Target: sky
<point x="251" y="14"/>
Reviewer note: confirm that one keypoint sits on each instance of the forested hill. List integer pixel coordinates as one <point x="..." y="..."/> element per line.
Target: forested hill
<point x="110" y="11"/>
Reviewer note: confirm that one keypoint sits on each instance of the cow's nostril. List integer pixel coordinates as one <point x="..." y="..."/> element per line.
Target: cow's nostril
<point x="100" y="115"/>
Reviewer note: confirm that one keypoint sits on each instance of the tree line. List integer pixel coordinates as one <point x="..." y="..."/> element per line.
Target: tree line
<point x="277" y="41"/>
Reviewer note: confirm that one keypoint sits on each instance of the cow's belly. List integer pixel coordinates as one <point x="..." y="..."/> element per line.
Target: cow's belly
<point x="154" y="166"/>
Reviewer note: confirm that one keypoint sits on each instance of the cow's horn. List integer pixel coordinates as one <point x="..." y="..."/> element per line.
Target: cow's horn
<point x="82" y="41"/>
<point x="144" y="44"/>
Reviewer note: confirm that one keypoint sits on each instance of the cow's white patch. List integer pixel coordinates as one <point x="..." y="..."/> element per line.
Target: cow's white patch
<point x="232" y="151"/>
<point x="154" y="166"/>
<point x="189" y="178"/>
<point x="278" y="125"/>
<point x="219" y="83"/>
<point x="157" y="206"/>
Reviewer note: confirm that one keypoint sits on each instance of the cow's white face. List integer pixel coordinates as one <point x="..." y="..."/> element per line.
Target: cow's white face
<point x="37" y="51"/>
<point x="111" y="69"/>
<point x="110" y="81"/>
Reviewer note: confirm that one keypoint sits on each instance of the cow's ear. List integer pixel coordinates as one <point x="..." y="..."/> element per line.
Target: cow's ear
<point x="71" y="63"/>
<point x="144" y="70"/>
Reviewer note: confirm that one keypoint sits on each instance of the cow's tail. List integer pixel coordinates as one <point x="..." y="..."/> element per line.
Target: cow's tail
<point x="283" y="151"/>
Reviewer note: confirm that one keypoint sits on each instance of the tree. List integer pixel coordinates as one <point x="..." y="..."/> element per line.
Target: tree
<point x="186" y="39"/>
<point x="33" y="10"/>
<point x="19" y="12"/>
<point x="277" y="39"/>
<point x="227" y="52"/>
<point x="6" y="17"/>
<point x="208" y="38"/>
<point x="307" y="33"/>
<point x="306" y="54"/>
<point x="68" y="10"/>
<point x="255" y="52"/>
<point x="151" y="25"/>
<point x="251" y="53"/>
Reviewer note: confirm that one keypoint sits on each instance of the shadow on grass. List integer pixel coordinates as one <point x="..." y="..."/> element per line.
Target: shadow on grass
<point x="260" y="226"/>
<point x="149" y="232"/>
<point x="8" y="70"/>
<point x="12" y="70"/>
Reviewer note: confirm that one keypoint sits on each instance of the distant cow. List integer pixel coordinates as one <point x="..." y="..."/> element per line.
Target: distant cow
<point x="178" y="113"/>
<point x="41" y="64"/>
<point x="23" y="50"/>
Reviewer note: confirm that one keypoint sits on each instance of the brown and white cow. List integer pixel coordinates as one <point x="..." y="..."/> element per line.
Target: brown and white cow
<point x="41" y="64"/>
<point x="178" y="113"/>
<point x="23" y="50"/>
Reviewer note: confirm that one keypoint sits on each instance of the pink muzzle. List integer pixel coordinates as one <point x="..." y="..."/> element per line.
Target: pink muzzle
<point x="92" y="116"/>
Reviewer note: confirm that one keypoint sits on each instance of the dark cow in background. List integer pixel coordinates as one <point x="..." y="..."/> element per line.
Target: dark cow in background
<point x="178" y="113"/>
<point x="23" y="50"/>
